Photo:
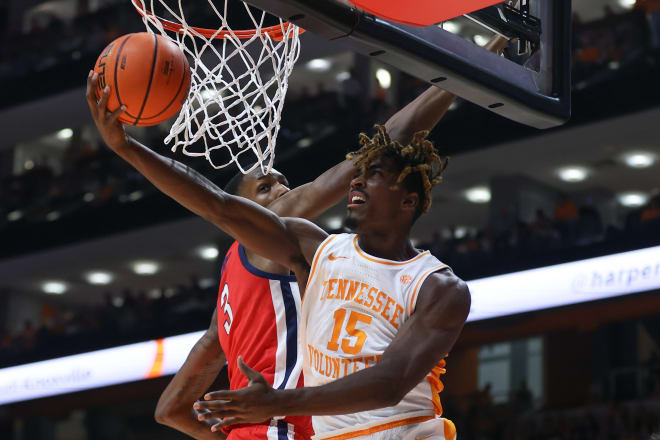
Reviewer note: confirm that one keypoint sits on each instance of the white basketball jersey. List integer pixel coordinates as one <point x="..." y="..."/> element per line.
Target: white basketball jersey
<point x="353" y="307"/>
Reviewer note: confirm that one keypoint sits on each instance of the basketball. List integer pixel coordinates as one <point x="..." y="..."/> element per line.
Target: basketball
<point x="148" y="74"/>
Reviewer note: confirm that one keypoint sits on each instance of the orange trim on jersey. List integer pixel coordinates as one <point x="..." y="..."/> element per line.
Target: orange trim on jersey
<point x="314" y="263"/>
<point x="381" y="261"/>
<point x="436" y="385"/>
<point x="157" y="366"/>
<point x="419" y="284"/>
<point x="450" y="430"/>
<point x="379" y="428"/>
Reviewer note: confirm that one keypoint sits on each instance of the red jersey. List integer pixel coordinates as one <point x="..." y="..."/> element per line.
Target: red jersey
<point x="258" y="317"/>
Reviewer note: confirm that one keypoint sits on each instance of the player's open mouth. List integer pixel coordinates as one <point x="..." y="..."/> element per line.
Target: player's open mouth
<point x="356" y="198"/>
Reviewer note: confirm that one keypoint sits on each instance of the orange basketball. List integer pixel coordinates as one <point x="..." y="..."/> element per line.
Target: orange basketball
<point x="148" y="74"/>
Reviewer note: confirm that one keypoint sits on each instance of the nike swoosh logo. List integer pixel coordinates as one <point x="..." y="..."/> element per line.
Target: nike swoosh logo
<point x="425" y="437"/>
<point x="331" y="257"/>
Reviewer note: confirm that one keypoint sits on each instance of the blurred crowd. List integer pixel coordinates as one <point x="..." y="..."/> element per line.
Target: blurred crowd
<point x="516" y="420"/>
<point x="546" y="238"/>
<point x="602" y="47"/>
<point x="121" y="319"/>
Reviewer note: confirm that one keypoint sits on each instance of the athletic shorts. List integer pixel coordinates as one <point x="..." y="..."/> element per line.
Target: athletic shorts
<point x="278" y="430"/>
<point x="434" y="429"/>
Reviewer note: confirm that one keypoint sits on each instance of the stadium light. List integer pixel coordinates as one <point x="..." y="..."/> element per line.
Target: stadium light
<point x="318" y="65"/>
<point x="478" y="194"/>
<point x="145" y="267"/>
<point x="572" y="173"/>
<point x="450" y="26"/>
<point x="384" y="78"/>
<point x="639" y="159"/>
<point x="633" y="199"/>
<point x="15" y="215"/>
<point x="64" y="134"/>
<point x="480" y="40"/>
<point x="99" y="277"/>
<point x="54" y="287"/>
<point x="334" y="222"/>
<point x="208" y="252"/>
<point x="628" y="4"/>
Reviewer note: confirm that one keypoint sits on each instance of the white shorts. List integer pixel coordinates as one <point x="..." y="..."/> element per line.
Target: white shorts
<point x="433" y="429"/>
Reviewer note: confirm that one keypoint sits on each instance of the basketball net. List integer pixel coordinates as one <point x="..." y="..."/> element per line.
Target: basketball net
<point x="239" y="79"/>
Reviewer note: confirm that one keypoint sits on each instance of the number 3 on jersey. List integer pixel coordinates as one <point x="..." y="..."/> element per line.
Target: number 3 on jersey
<point x="353" y="319"/>
<point x="224" y="303"/>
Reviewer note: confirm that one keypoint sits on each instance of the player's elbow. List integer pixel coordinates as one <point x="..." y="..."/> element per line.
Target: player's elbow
<point x="393" y="394"/>
<point x="390" y="391"/>
<point x="162" y="415"/>
<point x="166" y="413"/>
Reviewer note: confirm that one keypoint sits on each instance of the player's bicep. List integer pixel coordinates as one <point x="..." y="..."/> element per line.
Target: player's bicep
<point x="430" y="333"/>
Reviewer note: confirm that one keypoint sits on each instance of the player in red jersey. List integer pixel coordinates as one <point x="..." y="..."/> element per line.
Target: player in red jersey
<point x="255" y="311"/>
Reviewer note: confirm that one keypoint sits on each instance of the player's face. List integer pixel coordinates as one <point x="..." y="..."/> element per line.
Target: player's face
<point x="264" y="188"/>
<point x="371" y="199"/>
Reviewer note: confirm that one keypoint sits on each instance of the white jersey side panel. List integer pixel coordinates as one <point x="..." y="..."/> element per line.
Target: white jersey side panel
<point x="353" y="307"/>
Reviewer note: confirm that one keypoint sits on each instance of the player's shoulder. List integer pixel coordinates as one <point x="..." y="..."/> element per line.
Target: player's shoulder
<point x="446" y="287"/>
<point x="445" y="280"/>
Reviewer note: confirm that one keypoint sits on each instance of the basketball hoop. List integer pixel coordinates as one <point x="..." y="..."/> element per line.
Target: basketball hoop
<point x="239" y="80"/>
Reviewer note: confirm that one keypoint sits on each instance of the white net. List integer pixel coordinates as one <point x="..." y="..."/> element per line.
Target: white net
<point x="239" y="80"/>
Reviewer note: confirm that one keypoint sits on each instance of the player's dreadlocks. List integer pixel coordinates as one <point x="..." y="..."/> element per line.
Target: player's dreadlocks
<point x="419" y="157"/>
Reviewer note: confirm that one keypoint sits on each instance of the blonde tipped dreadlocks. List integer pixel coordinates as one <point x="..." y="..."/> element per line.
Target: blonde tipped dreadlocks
<point x="420" y="156"/>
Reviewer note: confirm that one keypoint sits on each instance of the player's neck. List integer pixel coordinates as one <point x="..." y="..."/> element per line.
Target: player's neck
<point x="388" y="245"/>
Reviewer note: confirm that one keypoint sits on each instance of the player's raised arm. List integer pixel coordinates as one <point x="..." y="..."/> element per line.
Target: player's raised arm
<point x="197" y="374"/>
<point x="290" y="242"/>
<point x="425" y="111"/>
<point x="421" y="343"/>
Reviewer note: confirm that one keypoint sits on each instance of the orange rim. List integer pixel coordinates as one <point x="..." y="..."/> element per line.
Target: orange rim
<point x="274" y="32"/>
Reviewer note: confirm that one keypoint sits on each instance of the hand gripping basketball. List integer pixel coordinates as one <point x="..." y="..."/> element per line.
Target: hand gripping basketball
<point x="107" y="122"/>
<point x="148" y="74"/>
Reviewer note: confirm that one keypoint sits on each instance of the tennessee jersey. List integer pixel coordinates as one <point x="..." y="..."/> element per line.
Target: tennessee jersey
<point x="258" y="316"/>
<point x="354" y="306"/>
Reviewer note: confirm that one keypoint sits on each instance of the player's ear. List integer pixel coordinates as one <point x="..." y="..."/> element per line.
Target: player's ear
<point x="410" y="202"/>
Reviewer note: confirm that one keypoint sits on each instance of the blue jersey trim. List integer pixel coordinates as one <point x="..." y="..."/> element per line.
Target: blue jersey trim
<point x="291" y="332"/>
<point x="260" y="273"/>
<point x="282" y="430"/>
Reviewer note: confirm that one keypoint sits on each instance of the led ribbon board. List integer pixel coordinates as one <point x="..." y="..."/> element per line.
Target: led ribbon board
<point x="519" y="292"/>
<point x="565" y="284"/>
<point x="95" y="369"/>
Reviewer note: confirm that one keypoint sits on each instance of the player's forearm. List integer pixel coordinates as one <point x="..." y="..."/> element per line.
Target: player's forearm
<point x="423" y="113"/>
<point x="312" y="199"/>
<point x="197" y="374"/>
<point x="182" y="183"/>
<point x="372" y="388"/>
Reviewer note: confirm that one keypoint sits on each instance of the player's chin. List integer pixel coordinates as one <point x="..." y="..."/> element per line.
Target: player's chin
<point x="351" y="222"/>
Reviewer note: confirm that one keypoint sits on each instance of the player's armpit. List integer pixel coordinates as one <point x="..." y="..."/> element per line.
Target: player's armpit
<point x="309" y="237"/>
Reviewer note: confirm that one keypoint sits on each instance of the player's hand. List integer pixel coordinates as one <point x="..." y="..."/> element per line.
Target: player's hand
<point x="255" y="403"/>
<point x="107" y="122"/>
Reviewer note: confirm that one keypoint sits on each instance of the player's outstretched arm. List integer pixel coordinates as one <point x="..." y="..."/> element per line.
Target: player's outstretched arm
<point x="175" y="406"/>
<point x="289" y="242"/>
<point x="421" y="343"/>
<point x="425" y="111"/>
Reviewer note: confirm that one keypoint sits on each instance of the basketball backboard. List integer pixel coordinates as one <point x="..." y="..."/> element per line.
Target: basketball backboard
<point x="534" y="90"/>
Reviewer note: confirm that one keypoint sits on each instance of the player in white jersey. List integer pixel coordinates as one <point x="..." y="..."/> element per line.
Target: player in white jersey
<point x="378" y="317"/>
